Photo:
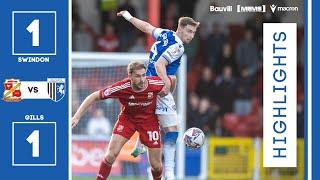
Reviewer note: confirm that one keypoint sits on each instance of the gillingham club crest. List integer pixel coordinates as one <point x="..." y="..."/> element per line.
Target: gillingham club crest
<point x="56" y="88"/>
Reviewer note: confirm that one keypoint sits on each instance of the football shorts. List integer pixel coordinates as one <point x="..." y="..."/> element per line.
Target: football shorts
<point x="166" y="105"/>
<point x="149" y="132"/>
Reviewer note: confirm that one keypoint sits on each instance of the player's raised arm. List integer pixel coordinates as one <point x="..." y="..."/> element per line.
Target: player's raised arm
<point x="84" y="107"/>
<point x="141" y="25"/>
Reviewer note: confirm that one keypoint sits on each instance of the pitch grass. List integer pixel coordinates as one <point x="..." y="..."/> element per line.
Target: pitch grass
<point x="111" y="178"/>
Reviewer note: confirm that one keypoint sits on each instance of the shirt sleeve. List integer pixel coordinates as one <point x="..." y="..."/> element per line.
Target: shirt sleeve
<point x="173" y="52"/>
<point x="112" y="91"/>
<point x="157" y="82"/>
<point x="156" y="33"/>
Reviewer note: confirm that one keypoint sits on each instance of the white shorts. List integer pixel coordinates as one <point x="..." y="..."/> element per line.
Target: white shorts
<point x="166" y="105"/>
<point x="167" y="111"/>
<point x="168" y="120"/>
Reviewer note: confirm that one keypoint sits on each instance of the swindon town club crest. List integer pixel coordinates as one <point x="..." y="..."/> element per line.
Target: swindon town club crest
<point x="56" y="88"/>
<point x="150" y="95"/>
<point x="12" y="91"/>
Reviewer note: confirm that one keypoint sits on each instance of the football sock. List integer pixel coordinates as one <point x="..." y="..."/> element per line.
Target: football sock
<point x="104" y="170"/>
<point x="157" y="175"/>
<point x="169" y="151"/>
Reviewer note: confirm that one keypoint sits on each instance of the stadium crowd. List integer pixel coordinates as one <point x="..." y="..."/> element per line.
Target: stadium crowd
<point x="224" y="62"/>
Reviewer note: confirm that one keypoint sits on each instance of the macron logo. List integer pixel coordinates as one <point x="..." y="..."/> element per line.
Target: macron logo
<point x="273" y="8"/>
<point x="283" y="9"/>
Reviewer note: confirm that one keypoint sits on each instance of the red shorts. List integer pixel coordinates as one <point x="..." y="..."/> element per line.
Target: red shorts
<point x="149" y="132"/>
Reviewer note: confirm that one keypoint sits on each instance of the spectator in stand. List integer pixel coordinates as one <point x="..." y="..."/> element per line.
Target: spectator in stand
<point x="247" y="53"/>
<point x="192" y="113"/>
<point x="227" y="59"/>
<point x="242" y="104"/>
<point x="205" y="84"/>
<point x="224" y="93"/>
<point x="213" y="45"/>
<point x="200" y="114"/>
<point x="139" y="46"/>
<point x="109" y="41"/>
<point x="83" y="40"/>
<point x="206" y="118"/>
<point x="99" y="124"/>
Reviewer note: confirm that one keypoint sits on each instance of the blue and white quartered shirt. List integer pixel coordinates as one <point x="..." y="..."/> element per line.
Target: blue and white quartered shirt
<point x="169" y="46"/>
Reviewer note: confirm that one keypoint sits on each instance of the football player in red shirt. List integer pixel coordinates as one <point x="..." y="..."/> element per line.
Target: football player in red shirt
<point x="137" y="95"/>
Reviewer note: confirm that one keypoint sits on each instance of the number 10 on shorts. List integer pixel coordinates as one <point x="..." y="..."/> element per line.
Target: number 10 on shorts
<point x="153" y="135"/>
<point x="34" y="143"/>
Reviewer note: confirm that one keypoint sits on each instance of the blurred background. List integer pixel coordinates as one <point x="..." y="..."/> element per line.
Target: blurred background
<point x="223" y="93"/>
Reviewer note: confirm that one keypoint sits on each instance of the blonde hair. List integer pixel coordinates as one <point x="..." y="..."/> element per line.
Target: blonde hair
<point x="135" y="65"/>
<point x="184" y="21"/>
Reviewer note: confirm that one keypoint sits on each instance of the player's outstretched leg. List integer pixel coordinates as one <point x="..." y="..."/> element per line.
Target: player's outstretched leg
<point x="154" y="155"/>
<point x="113" y="151"/>
<point x="169" y="152"/>
<point x="139" y="148"/>
<point x="169" y="124"/>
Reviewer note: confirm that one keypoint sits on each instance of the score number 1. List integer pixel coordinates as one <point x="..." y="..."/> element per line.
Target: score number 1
<point x="33" y="139"/>
<point x="33" y="28"/>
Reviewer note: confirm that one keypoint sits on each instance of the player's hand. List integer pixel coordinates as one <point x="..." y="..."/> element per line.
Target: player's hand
<point x="75" y="121"/>
<point x="125" y="14"/>
<point x="121" y="13"/>
<point x="165" y="90"/>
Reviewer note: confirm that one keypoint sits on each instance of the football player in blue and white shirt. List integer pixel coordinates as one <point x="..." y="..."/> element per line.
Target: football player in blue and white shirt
<point x="164" y="59"/>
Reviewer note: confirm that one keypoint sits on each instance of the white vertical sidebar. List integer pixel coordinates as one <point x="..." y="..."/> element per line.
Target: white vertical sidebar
<point x="279" y="94"/>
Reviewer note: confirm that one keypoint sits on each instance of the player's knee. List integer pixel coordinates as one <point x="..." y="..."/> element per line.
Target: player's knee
<point x="110" y="157"/>
<point x="171" y="138"/>
<point x="170" y="129"/>
<point x="157" y="166"/>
